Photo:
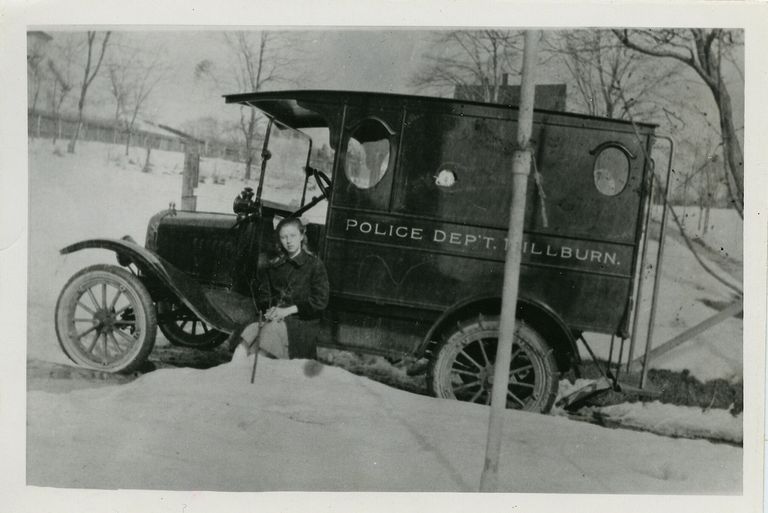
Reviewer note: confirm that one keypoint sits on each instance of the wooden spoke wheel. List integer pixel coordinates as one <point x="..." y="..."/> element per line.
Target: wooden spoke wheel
<point x="463" y="366"/>
<point x="105" y="319"/>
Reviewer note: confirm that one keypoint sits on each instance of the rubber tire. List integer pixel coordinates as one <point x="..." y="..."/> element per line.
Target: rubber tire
<point x="178" y="337"/>
<point x="142" y="306"/>
<point x="535" y="349"/>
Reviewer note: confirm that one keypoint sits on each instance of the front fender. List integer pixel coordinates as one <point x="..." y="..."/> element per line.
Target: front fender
<point x="183" y="287"/>
<point x="127" y="251"/>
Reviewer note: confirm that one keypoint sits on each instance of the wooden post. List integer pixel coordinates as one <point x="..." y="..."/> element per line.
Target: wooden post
<point x="147" y="163"/>
<point x="521" y="165"/>
<point x="191" y="175"/>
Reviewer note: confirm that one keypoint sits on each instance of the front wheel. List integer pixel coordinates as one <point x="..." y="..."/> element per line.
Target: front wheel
<point x="106" y="320"/>
<point x="463" y="366"/>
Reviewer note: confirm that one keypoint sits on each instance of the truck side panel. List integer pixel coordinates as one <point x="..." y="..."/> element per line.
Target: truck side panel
<point x="435" y="242"/>
<point x="408" y="261"/>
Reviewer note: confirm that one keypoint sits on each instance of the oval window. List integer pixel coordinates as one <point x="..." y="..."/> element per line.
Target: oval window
<point x="368" y="153"/>
<point x="611" y="171"/>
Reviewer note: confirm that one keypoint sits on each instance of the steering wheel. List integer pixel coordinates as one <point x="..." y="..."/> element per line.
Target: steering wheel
<point x="322" y="181"/>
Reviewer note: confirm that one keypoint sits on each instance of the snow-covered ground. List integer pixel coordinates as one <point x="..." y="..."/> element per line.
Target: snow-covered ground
<point x="187" y="429"/>
<point x="192" y="429"/>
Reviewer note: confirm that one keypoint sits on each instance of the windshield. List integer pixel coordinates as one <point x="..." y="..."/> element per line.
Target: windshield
<point x="285" y="178"/>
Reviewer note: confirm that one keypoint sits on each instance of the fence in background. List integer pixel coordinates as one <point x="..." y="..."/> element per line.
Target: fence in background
<point x="46" y="125"/>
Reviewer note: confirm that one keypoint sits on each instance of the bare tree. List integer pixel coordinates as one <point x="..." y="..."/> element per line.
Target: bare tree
<point x="36" y="67"/>
<point x="611" y="80"/>
<point x="90" y="71"/>
<point x="463" y="58"/>
<point x="704" y="51"/>
<point x="60" y="88"/>
<point x="702" y="180"/>
<point x="706" y="191"/>
<point x="258" y="59"/>
<point x="118" y="80"/>
<point x="60" y="77"/>
<point x="148" y="76"/>
<point x="132" y="80"/>
<point x="35" y="79"/>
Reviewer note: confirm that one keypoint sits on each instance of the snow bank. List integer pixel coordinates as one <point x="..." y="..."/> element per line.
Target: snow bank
<point x="186" y="429"/>
<point x="656" y="417"/>
<point x="677" y="421"/>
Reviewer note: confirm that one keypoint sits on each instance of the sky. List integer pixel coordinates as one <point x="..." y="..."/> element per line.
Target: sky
<point x="342" y="59"/>
<point x="383" y="60"/>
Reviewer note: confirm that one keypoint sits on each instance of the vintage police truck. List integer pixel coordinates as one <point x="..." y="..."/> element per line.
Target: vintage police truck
<point x="409" y="212"/>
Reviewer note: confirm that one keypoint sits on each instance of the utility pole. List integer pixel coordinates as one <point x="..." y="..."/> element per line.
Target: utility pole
<point x="521" y="165"/>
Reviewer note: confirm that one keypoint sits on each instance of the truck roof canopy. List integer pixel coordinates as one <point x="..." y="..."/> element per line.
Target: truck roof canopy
<point x="294" y="107"/>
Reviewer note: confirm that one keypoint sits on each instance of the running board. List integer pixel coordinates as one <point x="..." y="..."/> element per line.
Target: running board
<point x="642" y="392"/>
<point x="578" y="398"/>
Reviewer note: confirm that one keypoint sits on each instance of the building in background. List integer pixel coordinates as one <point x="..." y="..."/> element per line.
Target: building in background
<point x="548" y="96"/>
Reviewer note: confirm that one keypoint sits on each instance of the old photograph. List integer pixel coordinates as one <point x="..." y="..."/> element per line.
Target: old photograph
<point x="387" y="259"/>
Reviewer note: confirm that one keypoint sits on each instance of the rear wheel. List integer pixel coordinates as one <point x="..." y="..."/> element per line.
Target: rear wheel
<point x="463" y="366"/>
<point x="105" y="319"/>
<point x="183" y="328"/>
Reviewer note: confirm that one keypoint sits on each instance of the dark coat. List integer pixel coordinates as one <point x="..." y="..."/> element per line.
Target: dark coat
<point x="301" y="281"/>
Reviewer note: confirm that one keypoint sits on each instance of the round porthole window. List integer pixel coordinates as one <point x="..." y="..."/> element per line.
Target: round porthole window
<point x="611" y="171"/>
<point x="368" y="154"/>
